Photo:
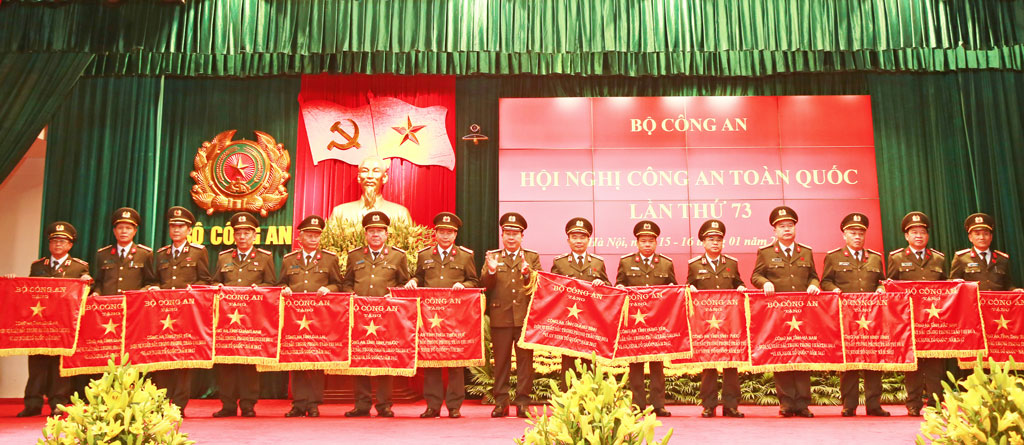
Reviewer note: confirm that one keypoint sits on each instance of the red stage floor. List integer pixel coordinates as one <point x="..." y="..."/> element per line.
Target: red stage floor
<point x="762" y="426"/>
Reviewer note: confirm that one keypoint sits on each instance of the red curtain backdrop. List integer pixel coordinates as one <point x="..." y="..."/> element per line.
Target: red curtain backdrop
<point x="424" y="190"/>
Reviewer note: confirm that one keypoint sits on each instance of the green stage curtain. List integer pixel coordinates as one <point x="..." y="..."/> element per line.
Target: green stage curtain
<point x="946" y="144"/>
<point x="31" y="88"/>
<point x="600" y="37"/>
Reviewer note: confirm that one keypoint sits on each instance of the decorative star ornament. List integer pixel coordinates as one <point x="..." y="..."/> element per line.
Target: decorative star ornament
<point x="408" y="132"/>
<point x="1002" y="322"/>
<point x="235" y="318"/>
<point x="714" y="322"/>
<point x="794" y="325"/>
<point x="435" y="321"/>
<point x="37" y="309"/>
<point x="109" y="327"/>
<point x="933" y="312"/>
<point x="574" y="311"/>
<point x="168" y="323"/>
<point x="863" y="322"/>
<point x="304" y="324"/>
<point x="639" y="317"/>
<point x="372" y="329"/>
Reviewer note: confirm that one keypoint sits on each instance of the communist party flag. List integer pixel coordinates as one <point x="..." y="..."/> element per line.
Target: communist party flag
<point x="1003" y="313"/>
<point x="656" y="326"/>
<point x="316" y="332"/>
<point x="795" y="331"/>
<point x="718" y="325"/>
<point x="100" y="336"/>
<point x="947" y="317"/>
<point x="573" y="317"/>
<point x="169" y="328"/>
<point x="247" y="325"/>
<point x="452" y="326"/>
<point x="878" y="331"/>
<point x="384" y="336"/>
<point x="40" y="315"/>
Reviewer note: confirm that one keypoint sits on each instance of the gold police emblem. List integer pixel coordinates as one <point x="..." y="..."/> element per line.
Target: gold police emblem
<point x="241" y="175"/>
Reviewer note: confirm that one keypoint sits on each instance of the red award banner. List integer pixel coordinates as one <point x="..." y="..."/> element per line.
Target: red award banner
<point x="316" y="332"/>
<point x="247" y="327"/>
<point x="169" y="328"/>
<point x="573" y="317"/>
<point x="40" y="315"/>
<point x="947" y="317"/>
<point x="452" y="329"/>
<point x="100" y="336"/>
<point x="718" y="326"/>
<point x="1003" y="313"/>
<point x="384" y="336"/>
<point x="656" y="325"/>
<point x="795" y="331"/>
<point x="878" y="331"/>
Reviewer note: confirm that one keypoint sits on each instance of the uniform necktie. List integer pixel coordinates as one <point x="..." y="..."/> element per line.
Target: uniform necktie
<point x="857" y="255"/>
<point x="120" y="252"/>
<point x="176" y="252"/>
<point x="920" y="255"/>
<point x="579" y="260"/>
<point x="241" y="257"/>
<point x="54" y="265"/>
<point x="647" y="262"/>
<point x="375" y="253"/>
<point x="714" y="263"/>
<point x="984" y="257"/>
<point x="309" y="257"/>
<point x="444" y="254"/>
<point x="789" y="255"/>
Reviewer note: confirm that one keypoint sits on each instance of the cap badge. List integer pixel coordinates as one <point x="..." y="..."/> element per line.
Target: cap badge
<point x="125" y="214"/>
<point x="647" y="226"/>
<point x="177" y="212"/>
<point x="241" y="218"/>
<point x="512" y="218"/>
<point x="314" y="221"/>
<point x="376" y="217"/>
<point x="782" y="212"/>
<point x="446" y="218"/>
<point x="915" y="218"/>
<point x="60" y="226"/>
<point x="579" y="223"/>
<point x="714" y="225"/>
<point x="856" y="217"/>
<point x="978" y="219"/>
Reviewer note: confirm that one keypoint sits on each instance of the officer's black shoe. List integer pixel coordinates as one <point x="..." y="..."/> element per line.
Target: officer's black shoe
<point x="849" y="412"/>
<point x="500" y="411"/>
<point x="313" y="411"/>
<point x="662" y="412"/>
<point x="708" y="413"/>
<point x="732" y="412"/>
<point x="30" y="412"/>
<point x="248" y="412"/>
<point x="454" y="413"/>
<point x="430" y="412"/>
<point x="226" y="412"/>
<point x="295" y="412"/>
<point x="804" y="413"/>
<point x="878" y="412"/>
<point x="786" y="413"/>
<point x="356" y="412"/>
<point x="914" y="412"/>
<point x="521" y="410"/>
<point x="385" y="412"/>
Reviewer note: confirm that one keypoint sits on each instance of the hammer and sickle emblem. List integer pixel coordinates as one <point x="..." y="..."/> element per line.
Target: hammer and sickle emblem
<point x="352" y="141"/>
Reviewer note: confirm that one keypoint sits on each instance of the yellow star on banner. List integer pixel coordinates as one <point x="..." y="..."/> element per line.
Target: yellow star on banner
<point x="574" y="311"/>
<point x="408" y="132"/>
<point x="714" y="322"/>
<point x="639" y="317"/>
<point x="37" y="309"/>
<point x="863" y="322"/>
<point x="109" y="327"/>
<point x="372" y="328"/>
<point x="793" y="324"/>
<point x="304" y="324"/>
<point x="435" y="322"/>
<point x="235" y="318"/>
<point x="168" y="322"/>
<point x="1002" y="322"/>
<point x="933" y="312"/>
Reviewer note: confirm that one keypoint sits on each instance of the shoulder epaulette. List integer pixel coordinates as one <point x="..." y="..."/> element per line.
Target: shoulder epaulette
<point x="768" y="246"/>
<point x="80" y="261"/>
<point x="108" y="246"/>
<point x="834" y="250"/>
<point x="665" y="257"/>
<point x="694" y="259"/>
<point x="466" y="249"/>
<point x="627" y="255"/>
<point x="39" y="260"/>
<point x="264" y="251"/>
<point x="351" y="251"/>
<point x="896" y="251"/>
<point x="494" y="251"/>
<point x="730" y="257"/>
<point x="197" y="245"/>
<point x="560" y="256"/>
<point x="874" y="252"/>
<point x="596" y="256"/>
<point x="164" y="248"/>
<point x="395" y="248"/>
<point x="805" y="246"/>
<point x="328" y="252"/>
<point x="937" y="253"/>
<point x="531" y="251"/>
<point x="291" y="253"/>
<point x="961" y="252"/>
<point x="146" y="248"/>
<point x="225" y="252"/>
<point x="424" y="249"/>
<point x="1004" y="254"/>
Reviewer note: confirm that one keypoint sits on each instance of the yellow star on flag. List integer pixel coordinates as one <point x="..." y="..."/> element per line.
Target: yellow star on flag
<point x="794" y="325"/>
<point x="235" y="318"/>
<point x="435" y="322"/>
<point x="304" y="324"/>
<point x="574" y="311"/>
<point x="933" y="312"/>
<point x="372" y="329"/>
<point x="714" y="322"/>
<point x="1002" y="322"/>
<point x="639" y="317"/>
<point x="408" y="132"/>
<point x="109" y="327"/>
<point x="863" y="322"/>
<point x="37" y="309"/>
<point x="168" y="322"/>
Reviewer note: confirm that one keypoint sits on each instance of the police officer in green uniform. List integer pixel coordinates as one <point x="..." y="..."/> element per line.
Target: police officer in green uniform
<point x="370" y="271"/>
<point x="853" y="268"/>
<point x="44" y="370"/>
<point x="124" y="265"/>
<point x="581" y="265"/>
<point x="917" y="262"/>
<point x="444" y="265"/>
<point x="990" y="268"/>
<point x="716" y="270"/>
<point x="179" y="266"/>
<point x="647" y="268"/>
<point x="239" y="385"/>
<point x="309" y="269"/>
<point x="787" y="266"/>
<point x="505" y="275"/>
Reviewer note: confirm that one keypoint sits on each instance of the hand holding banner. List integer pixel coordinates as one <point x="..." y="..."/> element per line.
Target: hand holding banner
<point x="795" y="331"/>
<point x="452" y="329"/>
<point x="100" y="336"/>
<point x="656" y="326"/>
<point x="384" y="336"/>
<point x="878" y="331"/>
<point x="947" y="317"/>
<point x="316" y="332"/>
<point x="169" y="328"/>
<point x="247" y="325"/>
<point x="40" y="315"/>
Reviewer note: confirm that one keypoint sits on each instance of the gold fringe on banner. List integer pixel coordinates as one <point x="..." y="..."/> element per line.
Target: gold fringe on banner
<point x="81" y="311"/>
<point x="450" y="363"/>
<point x="882" y="366"/>
<point x="799" y="367"/>
<point x="280" y="326"/>
<point x="180" y="364"/>
<point x="1019" y="366"/>
<point x="404" y="372"/>
<point x="698" y="367"/>
<point x="652" y="358"/>
<point x="981" y="320"/>
<point x="962" y="353"/>
<point x="303" y="366"/>
<point x="238" y="360"/>
<point x="70" y="372"/>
